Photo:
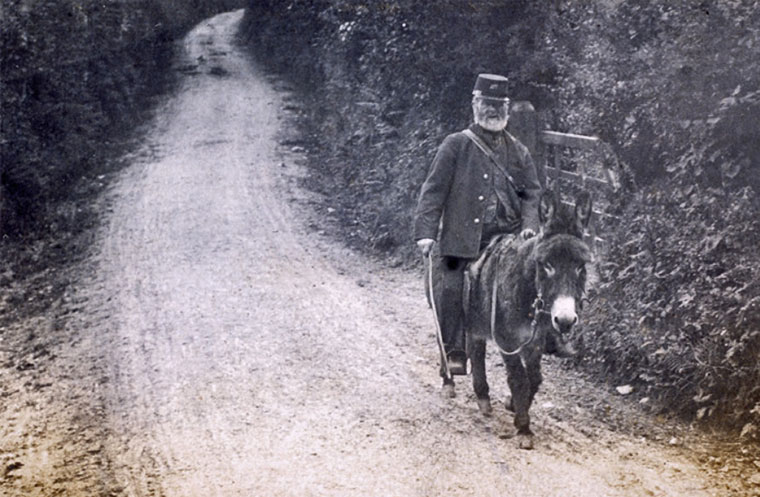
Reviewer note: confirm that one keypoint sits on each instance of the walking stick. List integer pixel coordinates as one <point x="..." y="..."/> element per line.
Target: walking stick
<point x="439" y="334"/>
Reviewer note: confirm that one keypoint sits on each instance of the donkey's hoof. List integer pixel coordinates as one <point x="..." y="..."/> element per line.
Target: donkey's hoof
<point x="447" y="391"/>
<point x="509" y="404"/>
<point x="525" y="441"/>
<point x="484" y="405"/>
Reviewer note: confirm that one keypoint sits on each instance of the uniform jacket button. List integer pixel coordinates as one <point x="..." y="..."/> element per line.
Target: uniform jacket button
<point x="481" y="198"/>
<point x="485" y="176"/>
<point x="477" y="220"/>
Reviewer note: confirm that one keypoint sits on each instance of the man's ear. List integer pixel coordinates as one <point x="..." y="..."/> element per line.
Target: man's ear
<point x="583" y="208"/>
<point x="546" y="206"/>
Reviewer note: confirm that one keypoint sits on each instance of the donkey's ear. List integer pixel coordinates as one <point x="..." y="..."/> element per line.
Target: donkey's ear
<point x="583" y="208"/>
<point x="546" y="206"/>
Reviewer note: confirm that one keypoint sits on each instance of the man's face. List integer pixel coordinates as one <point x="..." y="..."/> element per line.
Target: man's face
<point x="491" y="114"/>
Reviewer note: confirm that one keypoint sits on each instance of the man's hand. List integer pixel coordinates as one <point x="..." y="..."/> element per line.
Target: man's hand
<point x="425" y="245"/>
<point x="526" y="233"/>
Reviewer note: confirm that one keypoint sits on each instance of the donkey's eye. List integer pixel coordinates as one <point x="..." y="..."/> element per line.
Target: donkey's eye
<point x="580" y="269"/>
<point x="549" y="269"/>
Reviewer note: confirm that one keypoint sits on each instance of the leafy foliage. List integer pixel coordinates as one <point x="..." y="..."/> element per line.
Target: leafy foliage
<point x="652" y="79"/>
<point x="681" y="315"/>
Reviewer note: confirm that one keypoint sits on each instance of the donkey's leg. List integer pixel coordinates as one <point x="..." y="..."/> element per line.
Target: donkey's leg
<point x="447" y="390"/>
<point x="535" y="377"/>
<point x="524" y="377"/>
<point x="479" y="381"/>
<point x="519" y="386"/>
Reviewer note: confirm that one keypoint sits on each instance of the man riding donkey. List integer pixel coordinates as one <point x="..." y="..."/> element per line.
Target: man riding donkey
<point x="482" y="184"/>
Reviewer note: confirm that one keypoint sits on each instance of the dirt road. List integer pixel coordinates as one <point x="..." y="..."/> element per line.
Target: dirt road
<point x="217" y="346"/>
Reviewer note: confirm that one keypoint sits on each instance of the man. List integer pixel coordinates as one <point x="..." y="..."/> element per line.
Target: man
<point x="482" y="183"/>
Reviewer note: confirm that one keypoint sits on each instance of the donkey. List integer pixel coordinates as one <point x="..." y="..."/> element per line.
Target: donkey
<point x="525" y="296"/>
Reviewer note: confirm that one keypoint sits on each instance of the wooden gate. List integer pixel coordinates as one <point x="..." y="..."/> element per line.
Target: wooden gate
<point x="567" y="163"/>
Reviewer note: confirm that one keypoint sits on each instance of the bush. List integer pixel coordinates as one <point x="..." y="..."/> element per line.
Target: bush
<point x="678" y="311"/>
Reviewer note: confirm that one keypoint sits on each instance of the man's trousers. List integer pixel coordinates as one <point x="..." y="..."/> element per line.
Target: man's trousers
<point x="448" y="275"/>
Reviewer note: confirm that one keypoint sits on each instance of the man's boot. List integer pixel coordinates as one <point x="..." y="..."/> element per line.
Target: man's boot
<point x="457" y="362"/>
<point x="456" y="354"/>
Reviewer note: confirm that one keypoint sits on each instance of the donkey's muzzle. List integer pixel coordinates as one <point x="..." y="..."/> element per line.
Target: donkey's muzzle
<point x="564" y="316"/>
<point x="564" y="325"/>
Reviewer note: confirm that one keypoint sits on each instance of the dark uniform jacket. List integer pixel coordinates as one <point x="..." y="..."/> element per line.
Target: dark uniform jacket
<point x="461" y="182"/>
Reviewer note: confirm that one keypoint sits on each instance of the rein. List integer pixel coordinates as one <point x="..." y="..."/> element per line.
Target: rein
<point x="538" y="308"/>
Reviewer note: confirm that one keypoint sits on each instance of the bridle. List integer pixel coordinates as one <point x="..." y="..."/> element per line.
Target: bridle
<point x="538" y="308"/>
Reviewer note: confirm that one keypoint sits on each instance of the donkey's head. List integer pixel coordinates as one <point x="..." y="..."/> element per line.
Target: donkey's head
<point x="561" y="258"/>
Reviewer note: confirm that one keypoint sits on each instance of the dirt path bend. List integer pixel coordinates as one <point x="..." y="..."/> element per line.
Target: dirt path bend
<point x="235" y="353"/>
